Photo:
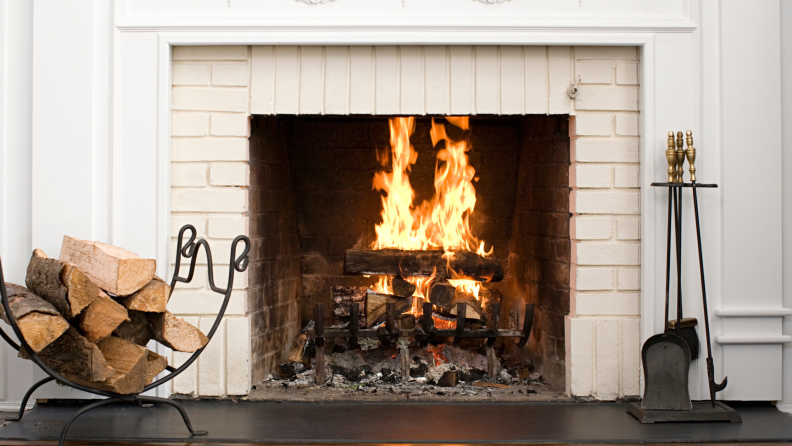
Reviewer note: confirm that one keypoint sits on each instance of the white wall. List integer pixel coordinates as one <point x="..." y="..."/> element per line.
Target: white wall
<point x="786" y="86"/>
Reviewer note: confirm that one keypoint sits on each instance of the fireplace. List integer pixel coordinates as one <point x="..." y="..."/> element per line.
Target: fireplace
<point x="312" y="200"/>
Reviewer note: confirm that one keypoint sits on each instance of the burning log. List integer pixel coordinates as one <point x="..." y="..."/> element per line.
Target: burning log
<point x="401" y="287"/>
<point x="397" y="262"/>
<point x="441" y="295"/>
<point x="375" y="306"/>
<point x="344" y="297"/>
<point x="474" y="310"/>
<point x="39" y="321"/>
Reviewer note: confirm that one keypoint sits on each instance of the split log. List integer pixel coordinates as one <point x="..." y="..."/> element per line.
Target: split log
<point x="297" y="352"/>
<point x="114" y="269"/>
<point x="136" y="329"/>
<point x="129" y="362"/>
<point x="474" y="310"/>
<point x="401" y="287"/>
<point x="375" y="306"/>
<point x="155" y="364"/>
<point x="40" y="323"/>
<point x="60" y="284"/>
<point x="395" y="262"/>
<point x="101" y="317"/>
<point x="343" y="297"/>
<point x="73" y="355"/>
<point x="152" y="298"/>
<point x="175" y="333"/>
<point x="441" y="295"/>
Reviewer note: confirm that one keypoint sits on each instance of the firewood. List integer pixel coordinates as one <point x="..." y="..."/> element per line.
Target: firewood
<point x="441" y="295"/>
<point x="175" y="332"/>
<point x="113" y="269"/>
<point x="395" y="262"/>
<point x="155" y="364"/>
<point x="375" y="306"/>
<point x="136" y="329"/>
<point x="343" y="297"/>
<point x="40" y="323"/>
<point x="101" y="317"/>
<point x="401" y="287"/>
<point x="129" y="362"/>
<point x="76" y="356"/>
<point x="152" y="298"/>
<point x="474" y="310"/>
<point x="60" y="284"/>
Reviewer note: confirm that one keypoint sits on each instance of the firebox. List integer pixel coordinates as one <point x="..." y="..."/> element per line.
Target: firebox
<point x="327" y="193"/>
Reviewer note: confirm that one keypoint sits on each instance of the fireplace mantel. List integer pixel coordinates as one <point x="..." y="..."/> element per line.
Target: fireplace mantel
<point x="118" y="96"/>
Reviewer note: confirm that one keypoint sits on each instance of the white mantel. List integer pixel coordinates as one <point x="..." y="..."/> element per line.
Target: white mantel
<point x="94" y="121"/>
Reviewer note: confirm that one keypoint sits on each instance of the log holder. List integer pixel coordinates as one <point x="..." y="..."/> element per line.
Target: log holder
<point x="188" y="251"/>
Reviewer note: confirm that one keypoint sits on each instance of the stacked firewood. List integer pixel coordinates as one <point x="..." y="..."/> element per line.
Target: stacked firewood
<point x="89" y="315"/>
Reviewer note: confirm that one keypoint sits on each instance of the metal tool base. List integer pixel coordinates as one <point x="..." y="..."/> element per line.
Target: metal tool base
<point x="702" y="411"/>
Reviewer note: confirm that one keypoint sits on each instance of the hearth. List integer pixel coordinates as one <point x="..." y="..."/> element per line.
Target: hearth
<point x="409" y="251"/>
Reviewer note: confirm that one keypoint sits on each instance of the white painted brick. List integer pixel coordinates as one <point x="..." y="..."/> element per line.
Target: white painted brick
<point x="604" y="202"/>
<point x="436" y="79"/>
<point x="580" y="355"/>
<point x="629" y="279"/>
<point x="487" y="82"/>
<point x="213" y="52"/>
<point x="593" y="279"/>
<point x="209" y="149"/>
<point x="227" y="227"/>
<point x="535" y="79"/>
<point x="262" y="80"/>
<point x="511" y="79"/>
<point x="209" y="200"/>
<point x="628" y="228"/>
<point x="606" y="52"/>
<point x="559" y="72"/>
<point x="592" y="228"/>
<point x="588" y="150"/>
<point x="604" y="254"/>
<point x="631" y="357"/>
<point x="593" y="175"/>
<point x="621" y="304"/>
<point x="311" y="80"/>
<point x="228" y="174"/>
<point x="189" y="124"/>
<point x="594" y="72"/>
<point x="607" y="359"/>
<point x="186" y="383"/>
<point x="626" y="176"/>
<point x="188" y="174"/>
<point x="221" y="276"/>
<point x="190" y="74"/>
<point x="209" y="99"/>
<point x="238" y="355"/>
<point x="607" y="98"/>
<point x="211" y="363"/>
<point x="226" y="75"/>
<point x="205" y="302"/>
<point x="198" y="221"/>
<point x="229" y="124"/>
<point x="627" y="73"/>
<point x="198" y="283"/>
<point x="627" y="124"/>
<point x="412" y="80"/>
<point x="594" y="124"/>
<point x="336" y="97"/>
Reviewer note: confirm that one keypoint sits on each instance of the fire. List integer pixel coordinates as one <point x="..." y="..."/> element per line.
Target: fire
<point x="443" y="222"/>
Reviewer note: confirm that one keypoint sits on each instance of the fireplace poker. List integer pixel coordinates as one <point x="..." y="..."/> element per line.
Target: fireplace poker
<point x="671" y="159"/>
<point x="713" y="386"/>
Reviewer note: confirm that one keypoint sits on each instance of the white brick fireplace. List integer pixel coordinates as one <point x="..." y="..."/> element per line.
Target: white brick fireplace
<point x="155" y="119"/>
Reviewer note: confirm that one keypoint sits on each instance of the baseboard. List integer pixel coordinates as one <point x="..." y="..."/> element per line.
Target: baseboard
<point x="786" y="408"/>
<point x="13" y="406"/>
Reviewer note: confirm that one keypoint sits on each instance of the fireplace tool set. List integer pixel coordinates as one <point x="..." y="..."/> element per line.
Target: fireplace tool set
<point x="190" y="251"/>
<point x="666" y="357"/>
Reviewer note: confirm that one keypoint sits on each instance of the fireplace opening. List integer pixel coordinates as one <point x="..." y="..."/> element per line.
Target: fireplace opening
<point x="323" y="189"/>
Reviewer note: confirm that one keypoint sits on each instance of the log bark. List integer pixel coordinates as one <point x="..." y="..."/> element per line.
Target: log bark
<point x="101" y="317"/>
<point x="175" y="332"/>
<point x="129" y="362"/>
<point x="114" y="269"/>
<point x="60" y="284"/>
<point x="155" y="364"/>
<point x="441" y="295"/>
<point x="152" y="298"/>
<point x="401" y="287"/>
<point x="73" y="355"/>
<point x="474" y="310"/>
<point x="375" y="306"/>
<point x="343" y="297"/>
<point x="40" y="323"/>
<point x="395" y="262"/>
<point x="136" y="329"/>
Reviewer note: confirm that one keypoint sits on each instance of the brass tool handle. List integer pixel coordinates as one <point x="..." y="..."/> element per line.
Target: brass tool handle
<point x="691" y="155"/>
<point x="680" y="158"/>
<point x="671" y="158"/>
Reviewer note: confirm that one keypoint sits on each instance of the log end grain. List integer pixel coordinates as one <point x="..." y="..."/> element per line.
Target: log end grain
<point x="155" y="364"/>
<point x="41" y="330"/>
<point x="176" y="333"/>
<point x="101" y="318"/>
<point x="152" y="298"/>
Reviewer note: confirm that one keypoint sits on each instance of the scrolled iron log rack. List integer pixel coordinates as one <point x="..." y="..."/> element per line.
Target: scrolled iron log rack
<point x="188" y="251"/>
